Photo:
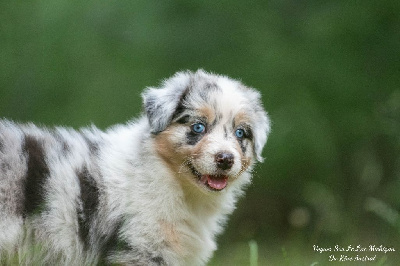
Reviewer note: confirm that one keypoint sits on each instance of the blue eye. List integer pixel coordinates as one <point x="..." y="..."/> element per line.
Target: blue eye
<point x="239" y="133"/>
<point x="198" y="128"/>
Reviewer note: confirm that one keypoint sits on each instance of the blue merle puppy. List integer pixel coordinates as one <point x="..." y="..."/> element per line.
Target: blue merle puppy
<point x="155" y="191"/>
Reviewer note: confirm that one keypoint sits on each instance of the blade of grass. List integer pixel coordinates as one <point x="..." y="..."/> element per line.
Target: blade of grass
<point x="253" y="253"/>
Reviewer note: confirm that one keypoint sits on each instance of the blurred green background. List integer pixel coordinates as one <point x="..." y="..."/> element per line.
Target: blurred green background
<point x="329" y="73"/>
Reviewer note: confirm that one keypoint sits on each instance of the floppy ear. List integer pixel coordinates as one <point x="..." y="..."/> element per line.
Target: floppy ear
<point x="262" y="126"/>
<point x="161" y="103"/>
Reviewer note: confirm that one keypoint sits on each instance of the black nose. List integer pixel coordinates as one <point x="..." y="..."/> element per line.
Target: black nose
<point x="224" y="160"/>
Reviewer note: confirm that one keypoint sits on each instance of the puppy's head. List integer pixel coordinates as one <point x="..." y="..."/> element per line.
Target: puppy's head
<point x="208" y="129"/>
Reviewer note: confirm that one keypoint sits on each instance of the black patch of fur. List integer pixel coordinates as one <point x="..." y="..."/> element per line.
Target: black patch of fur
<point x="242" y="145"/>
<point x="192" y="138"/>
<point x="180" y="108"/>
<point x="249" y="133"/>
<point x="184" y="119"/>
<point x="112" y="243"/>
<point x="90" y="201"/>
<point x="159" y="260"/>
<point x="115" y="242"/>
<point x="36" y="176"/>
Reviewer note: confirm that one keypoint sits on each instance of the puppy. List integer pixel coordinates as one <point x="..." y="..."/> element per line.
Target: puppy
<point x="155" y="191"/>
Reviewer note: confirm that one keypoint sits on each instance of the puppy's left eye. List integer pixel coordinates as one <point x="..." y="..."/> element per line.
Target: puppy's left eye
<point x="240" y="133"/>
<point x="198" y="128"/>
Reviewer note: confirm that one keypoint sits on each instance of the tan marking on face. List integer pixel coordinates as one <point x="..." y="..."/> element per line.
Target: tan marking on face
<point x="166" y="149"/>
<point x="241" y="117"/>
<point x="207" y="112"/>
<point x="245" y="164"/>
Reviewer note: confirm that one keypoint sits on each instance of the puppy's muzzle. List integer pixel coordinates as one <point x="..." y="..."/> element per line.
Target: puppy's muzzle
<point x="224" y="160"/>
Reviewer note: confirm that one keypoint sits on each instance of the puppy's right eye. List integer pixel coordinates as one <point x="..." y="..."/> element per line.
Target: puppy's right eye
<point x="198" y="128"/>
<point x="240" y="133"/>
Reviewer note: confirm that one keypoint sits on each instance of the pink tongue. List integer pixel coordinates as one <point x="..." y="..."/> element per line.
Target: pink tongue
<point x="217" y="182"/>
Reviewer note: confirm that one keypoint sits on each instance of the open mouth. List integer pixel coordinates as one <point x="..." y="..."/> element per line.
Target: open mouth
<point x="213" y="182"/>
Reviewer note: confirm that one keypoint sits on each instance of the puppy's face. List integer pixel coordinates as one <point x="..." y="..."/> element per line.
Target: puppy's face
<point x="208" y="129"/>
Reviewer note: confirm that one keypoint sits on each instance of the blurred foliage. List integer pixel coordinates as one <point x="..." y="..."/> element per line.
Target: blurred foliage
<point x="329" y="72"/>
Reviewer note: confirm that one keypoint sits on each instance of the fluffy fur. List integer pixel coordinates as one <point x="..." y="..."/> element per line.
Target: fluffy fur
<point x="155" y="191"/>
